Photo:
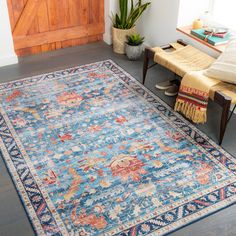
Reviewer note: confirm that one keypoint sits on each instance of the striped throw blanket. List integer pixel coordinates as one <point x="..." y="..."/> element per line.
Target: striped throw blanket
<point x="195" y="91"/>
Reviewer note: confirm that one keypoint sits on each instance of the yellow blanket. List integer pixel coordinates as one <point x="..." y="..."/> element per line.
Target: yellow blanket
<point x="193" y="96"/>
<point x="194" y="93"/>
<point x="196" y="89"/>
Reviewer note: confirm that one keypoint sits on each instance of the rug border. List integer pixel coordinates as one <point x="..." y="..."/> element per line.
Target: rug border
<point x="38" y="76"/>
<point x="197" y="219"/>
<point x="215" y="145"/>
<point x="18" y="193"/>
<point x="182" y="118"/>
<point x="188" y="122"/>
<point x="23" y="192"/>
<point x="135" y="80"/>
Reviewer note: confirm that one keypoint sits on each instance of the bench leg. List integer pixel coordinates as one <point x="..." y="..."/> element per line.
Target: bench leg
<point x="149" y="55"/>
<point x="224" y="120"/>
<point x="145" y="64"/>
<point x="225" y="103"/>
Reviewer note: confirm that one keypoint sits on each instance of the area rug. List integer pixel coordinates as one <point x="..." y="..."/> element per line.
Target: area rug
<point x="92" y="152"/>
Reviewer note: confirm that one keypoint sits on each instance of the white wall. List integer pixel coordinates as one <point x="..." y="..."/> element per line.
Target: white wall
<point x="158" y="24"/>
<point x="110" y="6"/>
<point x="190" y="10"/>
<point x="7" y="54"/>
<point x="151" y="23"/>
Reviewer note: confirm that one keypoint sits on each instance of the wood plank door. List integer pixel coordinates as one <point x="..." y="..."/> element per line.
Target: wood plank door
<point x="45" y="25"/>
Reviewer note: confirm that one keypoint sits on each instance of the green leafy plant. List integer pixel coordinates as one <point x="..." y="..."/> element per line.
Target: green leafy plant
<point x="134" y="40"/>
<point x="126" y="19"/>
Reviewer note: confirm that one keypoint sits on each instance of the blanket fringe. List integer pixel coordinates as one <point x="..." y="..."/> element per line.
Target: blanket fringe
<point x="191" y="111"/>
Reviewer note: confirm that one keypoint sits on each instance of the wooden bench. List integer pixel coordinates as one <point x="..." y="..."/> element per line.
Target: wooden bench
<point x="219" y="98"/>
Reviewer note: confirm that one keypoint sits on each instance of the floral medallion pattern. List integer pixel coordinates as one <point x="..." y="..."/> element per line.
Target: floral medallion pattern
<point x="92" y="152"/>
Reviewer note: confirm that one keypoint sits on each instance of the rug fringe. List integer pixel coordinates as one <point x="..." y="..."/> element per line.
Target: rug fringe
<point x="195" y="113"/>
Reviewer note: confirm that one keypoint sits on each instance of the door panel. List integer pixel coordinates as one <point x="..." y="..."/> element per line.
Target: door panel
<point x="44" y="25"/>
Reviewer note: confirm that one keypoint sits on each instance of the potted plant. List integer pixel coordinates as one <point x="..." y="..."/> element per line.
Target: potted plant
<point x="134" y="46"/>
<point x="124" y="22"/>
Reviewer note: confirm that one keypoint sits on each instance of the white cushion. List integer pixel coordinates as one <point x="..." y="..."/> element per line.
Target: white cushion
<point x="224" y="68"/>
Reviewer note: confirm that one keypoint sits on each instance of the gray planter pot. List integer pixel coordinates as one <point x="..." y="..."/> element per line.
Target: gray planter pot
<point x="133" y="52"/>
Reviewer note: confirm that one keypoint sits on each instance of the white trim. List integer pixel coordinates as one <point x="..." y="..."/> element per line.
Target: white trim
<point x="111" y="6"/>
<point x="8" y="60"/>
<point x="107" y="38"/>
<point x="211" y="6"/>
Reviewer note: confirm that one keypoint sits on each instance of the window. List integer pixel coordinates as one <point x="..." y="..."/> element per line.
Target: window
<point x="224" y="12"/>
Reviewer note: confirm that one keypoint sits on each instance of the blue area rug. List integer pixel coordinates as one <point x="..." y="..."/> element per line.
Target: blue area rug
<point x="92" y="152"/>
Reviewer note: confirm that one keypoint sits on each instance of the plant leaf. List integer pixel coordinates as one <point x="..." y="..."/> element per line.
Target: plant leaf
<point x="125" y="20"/>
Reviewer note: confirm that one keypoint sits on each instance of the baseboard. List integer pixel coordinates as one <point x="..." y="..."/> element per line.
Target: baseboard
<point x="8" y="60"/>
<point x="107" y="38"/>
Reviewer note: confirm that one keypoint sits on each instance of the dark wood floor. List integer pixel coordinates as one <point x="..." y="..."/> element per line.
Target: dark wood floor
<point x="13" y="219"/>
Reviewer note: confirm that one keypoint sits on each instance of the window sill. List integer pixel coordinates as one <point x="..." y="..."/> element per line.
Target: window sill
<point x="187" y="31"/>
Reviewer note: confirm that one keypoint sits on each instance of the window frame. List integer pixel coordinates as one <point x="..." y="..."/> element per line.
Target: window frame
<point x="211" y="6"/>
<point x="211" y="10"/>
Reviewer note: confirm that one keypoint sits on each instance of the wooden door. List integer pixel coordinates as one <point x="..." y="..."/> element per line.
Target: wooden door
<point x="44" y="25"/>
